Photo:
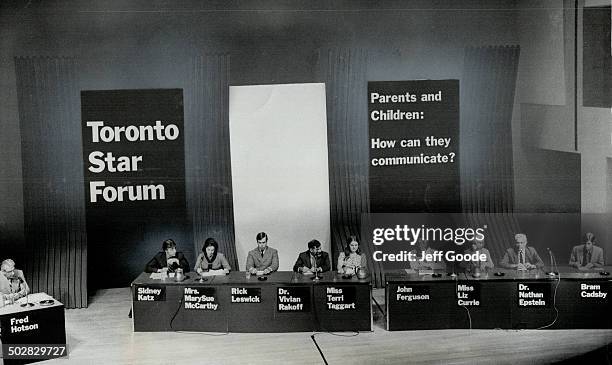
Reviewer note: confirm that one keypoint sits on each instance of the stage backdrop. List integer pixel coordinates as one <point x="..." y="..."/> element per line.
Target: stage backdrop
<point x="134" y="168"/>
<point x="278" y="142"/>
<point x="414" y="146"/>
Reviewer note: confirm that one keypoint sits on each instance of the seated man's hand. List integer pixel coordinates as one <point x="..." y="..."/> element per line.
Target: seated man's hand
<point x="589" y="266"/>
<point x="521" y="267"/>
<point x="226" y="271"/>
<point x="253" y="270"/>
<point x="199" y="271"/>
<point x="306" y="269"/>
<point x="173" y="260"/>
<point x="349" y="270"/>
<point x="583" y="268"/>
<point x="163" y="270"/>
<point x="530" y="266"/>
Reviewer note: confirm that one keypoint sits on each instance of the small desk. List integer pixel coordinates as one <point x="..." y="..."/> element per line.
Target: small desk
<point x="35" y="325"/>
<point x="285" y="302"/>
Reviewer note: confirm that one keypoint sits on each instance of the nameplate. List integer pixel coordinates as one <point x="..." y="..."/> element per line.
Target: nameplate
<point x="149" y="293"/>
<point x="200" y="298"/>
<point x="594" y="293"/>
<point x="410" y="293"/>
<point x="293" y="299"/>
<point x="340" y="298"/>
<point x="533" y="295"/>
<point x="468" y="294"/>
<point x="246" y="295"/>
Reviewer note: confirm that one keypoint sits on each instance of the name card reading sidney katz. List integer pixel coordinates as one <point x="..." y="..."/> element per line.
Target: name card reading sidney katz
<point x="150" y="293"/>
<point x="246" y="295"/>
<point x="340" y="298"/>
<point x="200" y="298"/>
<point x="293" y="299"/>
<point x="534" y="295"/>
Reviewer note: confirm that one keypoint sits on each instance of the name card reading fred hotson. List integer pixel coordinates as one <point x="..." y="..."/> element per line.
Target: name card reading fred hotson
<point x="246" y="295"/>
<point x="200" y="298"/>
<point x="340" y="298"/>
<point x="150" y="293"/>
<point x="293" y="299"/>
<point x="534" y="295"/>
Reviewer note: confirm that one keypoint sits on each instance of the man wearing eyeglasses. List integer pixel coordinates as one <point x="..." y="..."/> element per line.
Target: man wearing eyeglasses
<point x="12" y="282"/>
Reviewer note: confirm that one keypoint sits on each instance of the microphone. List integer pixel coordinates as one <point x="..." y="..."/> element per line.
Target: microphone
<point x="552" y="272"/>
<point x="316" y="277"/>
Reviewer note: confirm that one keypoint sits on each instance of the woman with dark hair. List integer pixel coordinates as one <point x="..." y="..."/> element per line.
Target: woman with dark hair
<point x="351" y="260"/>
<point x="211" y="258"/>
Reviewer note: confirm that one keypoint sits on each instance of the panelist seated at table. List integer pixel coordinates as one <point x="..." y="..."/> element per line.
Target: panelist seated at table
<point x="521" y="257"/>
<point x="351" y="260"/>
<point x="587" y="256"/>
<point x="477" y="247"/>
<point x="314" y="259"/>
<point x="13" y="284"/>
<point x="168" y="260"/>
<point x="211" y="258"/>
<point x="262" y="259"/>
<point x="425" y="258"/>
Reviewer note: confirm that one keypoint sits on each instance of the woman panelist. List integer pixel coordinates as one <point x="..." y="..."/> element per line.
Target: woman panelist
<point x="211" y="259"/>
<point x="351" y="260"/>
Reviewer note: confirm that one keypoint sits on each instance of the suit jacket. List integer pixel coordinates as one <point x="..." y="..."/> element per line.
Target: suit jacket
<point x="268" y="261"/>
<point x="15" y="287"/>
<point x="304" y="260"/>
<point x="531" y="256"/>
<point x="597" y="258"/>
<point x="159" y="261"/>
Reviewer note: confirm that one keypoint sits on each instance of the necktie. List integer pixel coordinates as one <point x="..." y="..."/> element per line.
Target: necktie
<point x="585" y="257"/>
<point x="262" y="254"/>
<point x="522" y="257"/>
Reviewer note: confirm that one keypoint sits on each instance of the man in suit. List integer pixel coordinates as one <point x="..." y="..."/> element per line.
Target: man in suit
<point x="12" y="282"/>
<point x="262" y="258"/>
<point x="523" y="257"/>
<point x="587" y="256"/>
<point x="307" y="261"/>
<point x="168" y="260"/>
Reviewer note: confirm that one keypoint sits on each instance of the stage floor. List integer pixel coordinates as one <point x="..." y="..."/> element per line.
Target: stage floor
<point x="102" y="334"/>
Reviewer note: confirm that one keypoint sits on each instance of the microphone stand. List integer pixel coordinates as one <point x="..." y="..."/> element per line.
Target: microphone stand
<point x="552" y="271"/>
<point x="316" y="277"/>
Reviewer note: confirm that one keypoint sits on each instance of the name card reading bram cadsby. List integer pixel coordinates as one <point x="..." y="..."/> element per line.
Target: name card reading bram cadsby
<point x="533" y="295"/>
<point x="293" y="299"/>
<point x="468" y="295"/>
<point x="340" y="298"/>
<point x="200" y="298"/>
<point x="593" y="292"/>
<point x="150" y="293"/>
<point x="246" y="295"/>
<point x="405" y="293"/>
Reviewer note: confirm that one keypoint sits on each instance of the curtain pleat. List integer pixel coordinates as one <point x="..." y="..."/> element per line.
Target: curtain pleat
<point x="208" y="177"/>
<point x="54" y="208"/>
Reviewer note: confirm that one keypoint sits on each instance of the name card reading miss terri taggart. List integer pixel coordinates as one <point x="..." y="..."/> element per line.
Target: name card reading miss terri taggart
<point x="293" y="299"/>
<point x="533" y="295"/>
<point x="246" y="295"/>
<point x="150" y="293"/>
<point x="340" y="298"/>
<point x="200" y="298"/>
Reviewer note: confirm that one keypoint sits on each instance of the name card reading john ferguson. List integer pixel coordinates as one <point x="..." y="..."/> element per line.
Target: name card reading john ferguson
<point x="150" y="293"/>
<point x="293" y="299"/>
<point x="417" y="293"/>
<point x="340" y="298"/>
<point x="246" y="295"/>
<point x="533" y="295"/>
<point x="200" y="298"/>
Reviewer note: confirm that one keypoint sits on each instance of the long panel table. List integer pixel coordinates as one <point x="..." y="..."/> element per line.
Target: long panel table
<point x="518" y="299"/>
<point x="285" y="302"/>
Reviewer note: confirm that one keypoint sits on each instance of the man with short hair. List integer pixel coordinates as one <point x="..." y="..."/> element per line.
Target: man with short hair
<point x="522" y="257"/>
<point x="587" y="256"/>
<point x="262" y="258"/>
<point x="12" y="281"/>
<point x="168" y="260"/>
<point x="312" y="260"/>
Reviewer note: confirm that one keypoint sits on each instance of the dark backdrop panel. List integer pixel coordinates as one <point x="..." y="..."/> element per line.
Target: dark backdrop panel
<point x="207" y="155"/>
<point x="124" y="235"/>
<point x="54" y="211"/>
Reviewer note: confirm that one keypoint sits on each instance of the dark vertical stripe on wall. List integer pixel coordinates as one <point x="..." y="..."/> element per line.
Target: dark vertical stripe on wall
<point x="487" y="178"/>
<point x="54" y="209"/>
<point x="344" y="73"/>
<point x="208" y="177"/>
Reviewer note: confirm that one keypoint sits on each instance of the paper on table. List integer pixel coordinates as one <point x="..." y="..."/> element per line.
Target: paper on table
<point x="213" y="272"/>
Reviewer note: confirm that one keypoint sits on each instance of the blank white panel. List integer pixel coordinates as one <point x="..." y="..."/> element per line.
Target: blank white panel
<point x="280" y="181"/>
